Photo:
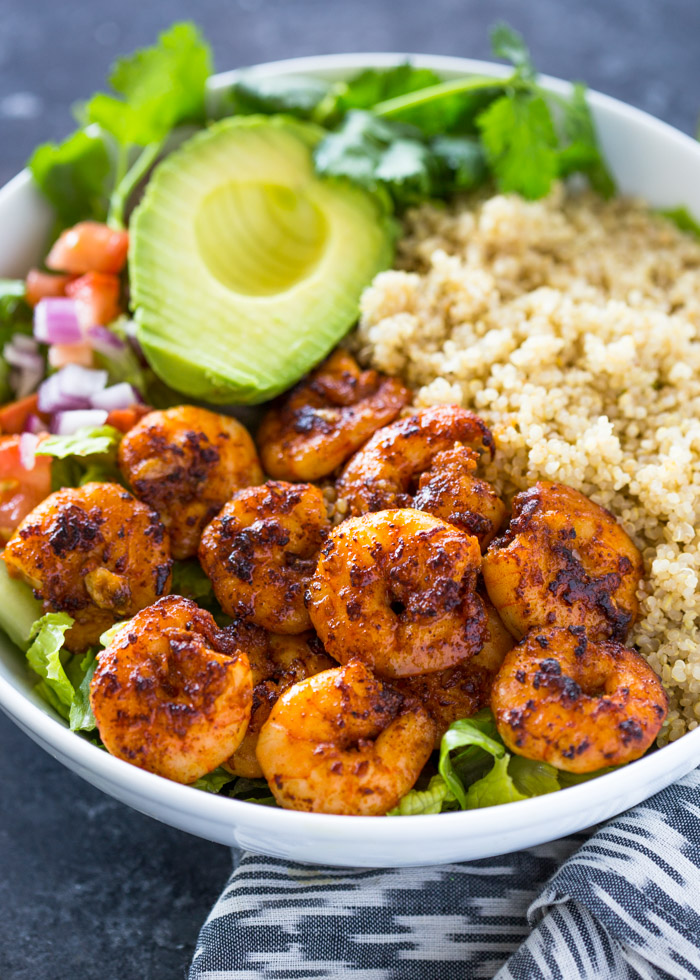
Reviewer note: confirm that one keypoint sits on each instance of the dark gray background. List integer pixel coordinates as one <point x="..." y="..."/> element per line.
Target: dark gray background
<point x="90" y="890"/>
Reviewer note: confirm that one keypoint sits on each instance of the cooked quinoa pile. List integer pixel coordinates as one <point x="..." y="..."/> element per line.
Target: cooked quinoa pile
<point x="572" y="326"/>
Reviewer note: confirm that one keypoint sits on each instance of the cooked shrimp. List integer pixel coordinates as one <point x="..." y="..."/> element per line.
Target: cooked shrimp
<point x="577" y="703"/>
<point x="261" y="551"/>
<point x="449" y="489"/>
<point x="395" y="589"/>
<point x="172" y="692"/>
<point x="330" y="414"/>
<point x="563" y="561"/>
<point x="462" y="690"/>
<point x="185" y="463"/>
<point x="344" y="742"/>
<point x="405" y="460"/>
<point x="94" y="552"/>
<point x="277" y="662"/>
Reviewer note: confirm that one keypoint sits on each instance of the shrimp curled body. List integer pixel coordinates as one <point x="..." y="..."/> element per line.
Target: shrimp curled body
<point x="563" y="561"/>
<point x="94" y="552"/>
<point x="185" y="463"/>
<point x="172" y="691"/>
<point x="277" y="662"/>
<point x="577" y="703"/>
<point x="395" y="589"/>
<point x="261" y="551"/>
<point x="427" y="461"/>
<point x="460" y="691"/>
<point x="326" y="417"/>
<point x="344" y="742"/>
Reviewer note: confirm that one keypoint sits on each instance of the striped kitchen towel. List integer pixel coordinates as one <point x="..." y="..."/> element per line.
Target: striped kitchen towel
<point x="621" y="904"/>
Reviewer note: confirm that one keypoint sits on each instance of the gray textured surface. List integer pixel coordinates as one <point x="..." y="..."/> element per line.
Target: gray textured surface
<point x="88" y="889"/>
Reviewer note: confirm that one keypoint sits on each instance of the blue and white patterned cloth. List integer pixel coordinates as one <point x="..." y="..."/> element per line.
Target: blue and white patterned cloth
<point x="621" y="904"/>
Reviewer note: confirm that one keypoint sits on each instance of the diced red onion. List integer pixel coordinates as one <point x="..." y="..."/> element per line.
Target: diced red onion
<point x="67" y="423"/>
<point x="104" y="341"/>
<point x="117" y="396"/>
<point x="18" y="358"/>
<point x="70" y="388"/>
<point x="22" y="354"/>
<point x="56" y="321"/>
<point x="27" y="449"/>
<point x="22" y="341"/>
<point x="34" y="424"/>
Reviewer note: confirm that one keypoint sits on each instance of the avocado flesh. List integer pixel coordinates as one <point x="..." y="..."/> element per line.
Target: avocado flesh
<point x="245" y="267"/>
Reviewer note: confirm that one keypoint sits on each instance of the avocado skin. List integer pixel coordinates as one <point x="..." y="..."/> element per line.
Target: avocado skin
<point x="225" y="344"/>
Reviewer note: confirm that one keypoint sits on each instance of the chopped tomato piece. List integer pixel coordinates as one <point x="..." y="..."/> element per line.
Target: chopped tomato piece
<point x="126" y="418"/>
<point x="89" y="247"/>
<point x="43" y="284"/>
<point x="97" y="297"/>
<point x="62" y="354"/>
<point x="13" y="416"/>
<point x="21" y="488"/>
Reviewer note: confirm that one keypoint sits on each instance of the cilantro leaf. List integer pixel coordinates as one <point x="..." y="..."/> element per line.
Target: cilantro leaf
<point x="582" y="154"/>
<point x="296" y="95"/>
<point x="463" y="159"/>
<point x="379" y="155"/>
<point x="74" y="176"/>
<point x="506" y="43"/>
<point x="43" y="656"/>
<point x="374" y="85"/>
<point x="160" y="87"/>
<point x="683" y="219"/>
<point x="520" y="143"/>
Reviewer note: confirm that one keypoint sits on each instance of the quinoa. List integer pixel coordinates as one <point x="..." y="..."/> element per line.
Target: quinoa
<point x="572" y="326"/>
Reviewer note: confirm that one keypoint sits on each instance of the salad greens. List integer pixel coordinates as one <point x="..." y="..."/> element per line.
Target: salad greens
<point x="86" y="455"/>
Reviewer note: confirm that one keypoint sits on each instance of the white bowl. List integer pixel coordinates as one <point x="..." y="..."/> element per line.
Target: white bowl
<point x="648" y="158"/>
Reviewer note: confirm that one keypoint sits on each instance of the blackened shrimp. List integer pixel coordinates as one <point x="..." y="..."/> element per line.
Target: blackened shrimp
<point x="277" y="662"/>
<point x="344" y="742"/>
<point x="579" y="704"/>
<point x="312" y="431"/>
<point x="427" y="461"/>
<point x="563" y="561"/>
<point x="185" y="463"/>
<point x="395" y="589"/>
<point x="172" y="692"/>
<point x="460" y="691"/>
<point x="261" y="551"/>
<point x="94" y="552"/>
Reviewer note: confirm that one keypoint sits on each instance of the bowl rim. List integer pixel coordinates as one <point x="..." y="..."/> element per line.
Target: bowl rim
<point x="183" y="799"/>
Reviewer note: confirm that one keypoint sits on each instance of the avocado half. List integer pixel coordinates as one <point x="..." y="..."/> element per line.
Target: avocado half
<point x="245" y="267"/>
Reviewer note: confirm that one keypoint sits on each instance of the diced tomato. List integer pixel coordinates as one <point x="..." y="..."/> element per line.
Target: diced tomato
<point x="43" y="284"/>
<point x="13" y="417"/>
<point x="89" y="247"/>
<point x="21" y="489"/>
<point x="126" y="418"/>
<point x="97" y="297"/>
<point x="62" y="354"/>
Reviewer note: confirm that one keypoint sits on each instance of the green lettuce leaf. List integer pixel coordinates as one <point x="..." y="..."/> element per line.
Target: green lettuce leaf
<point x="214" y="781"/>
<point x="44" y="658"/>
<point x="435" y="798"/>
<point x="533" y="778"/>
<point x="252" y="791"/>
<point x="15" y="312"/>
<point x="190" y="581"/>
<point x="80" y="671"/>
<point x="85" y="442"/>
